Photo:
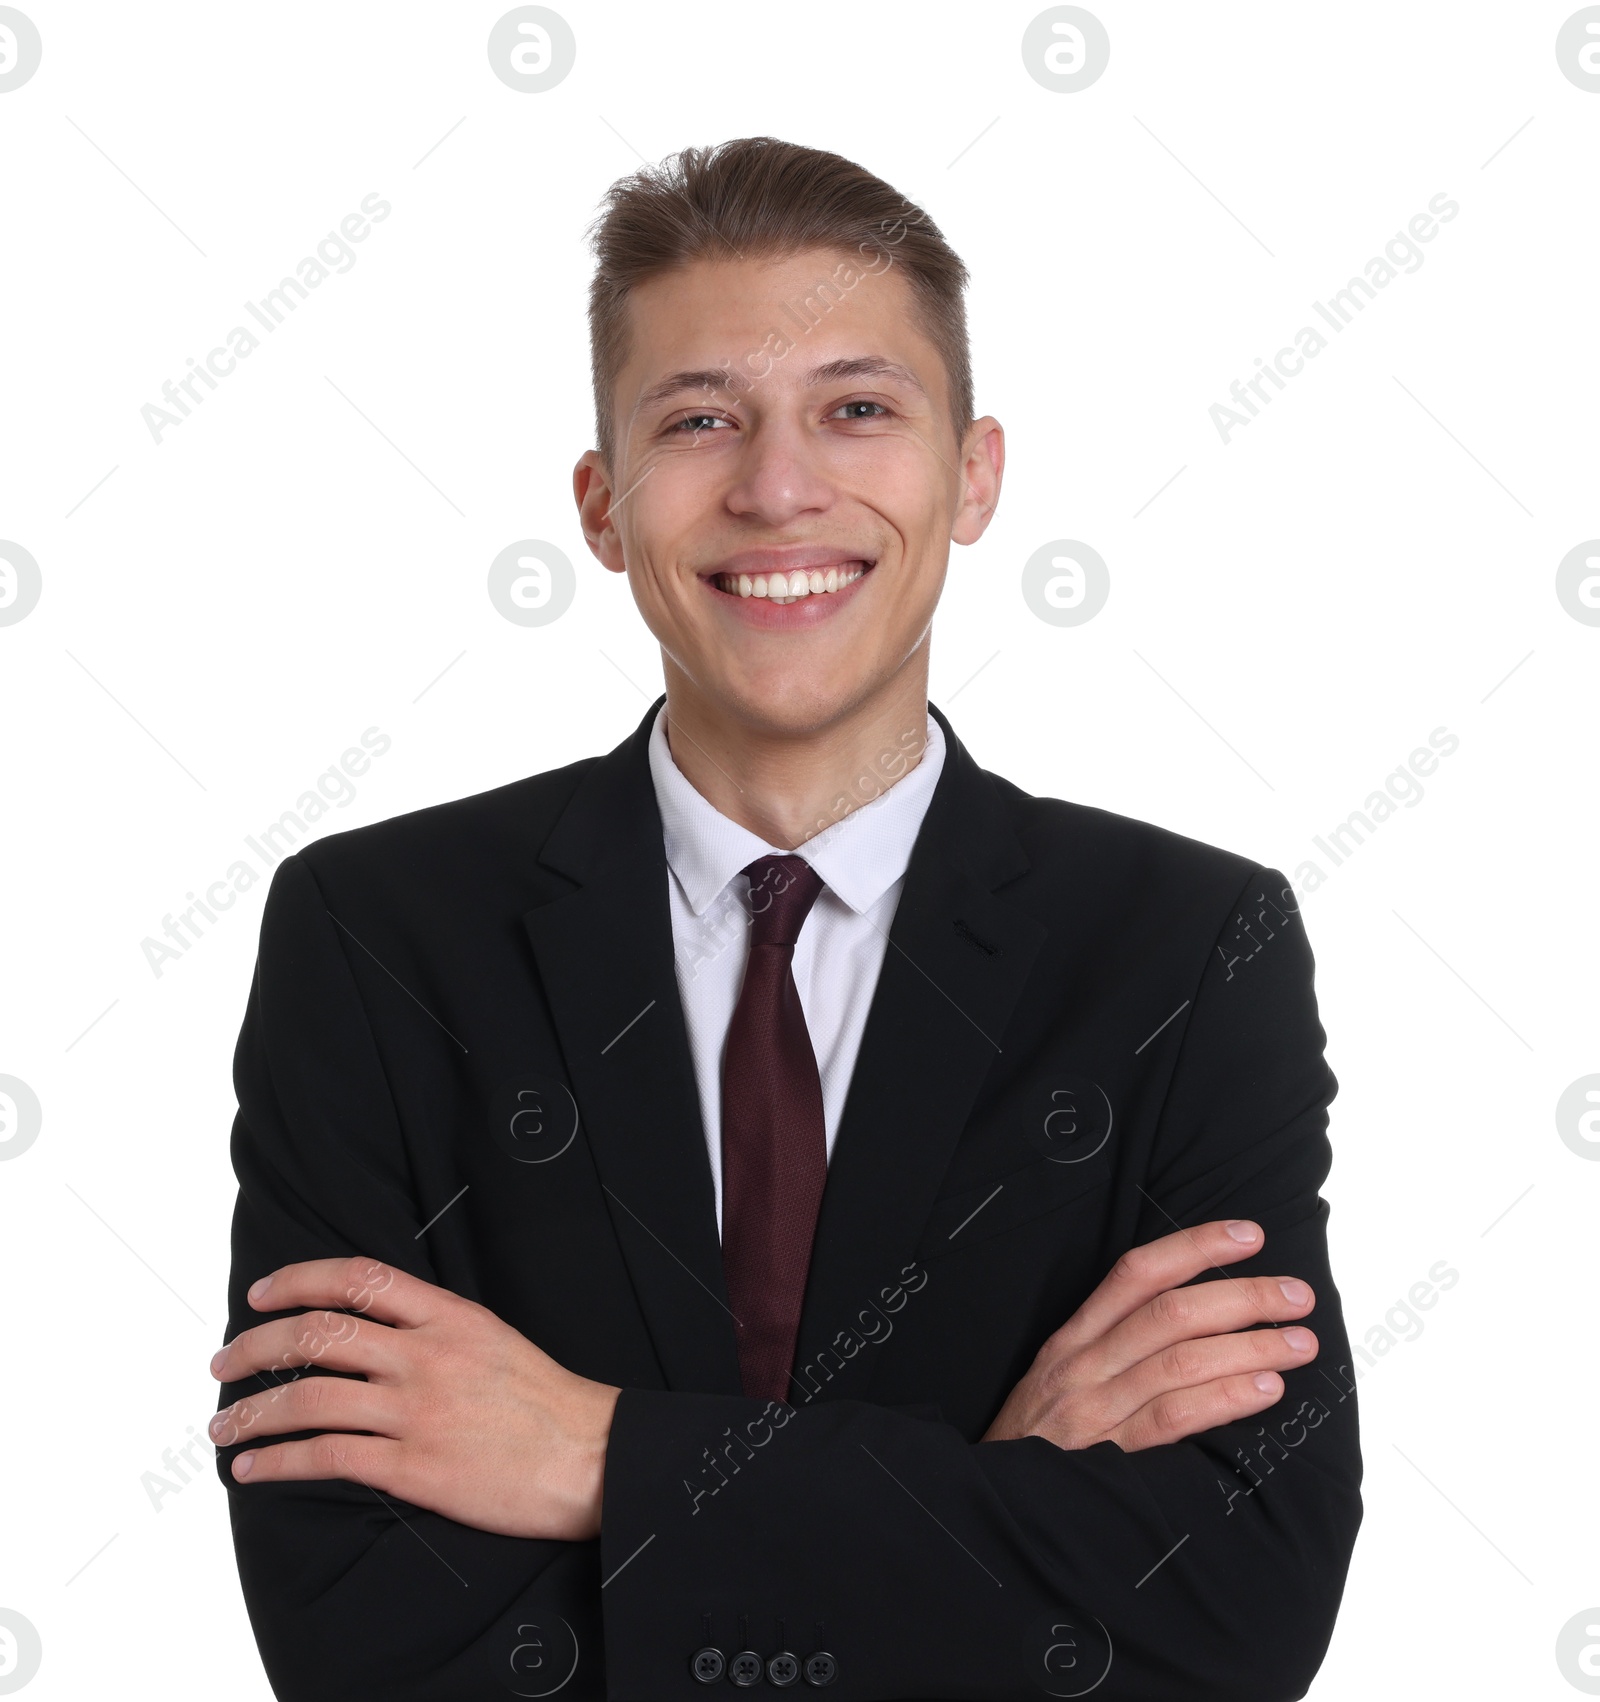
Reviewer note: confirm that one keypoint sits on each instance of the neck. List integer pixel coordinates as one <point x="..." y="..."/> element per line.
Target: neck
<point x="788" y="787"/>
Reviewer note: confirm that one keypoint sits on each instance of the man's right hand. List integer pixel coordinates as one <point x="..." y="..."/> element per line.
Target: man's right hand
<point x="1146" y="1360"/>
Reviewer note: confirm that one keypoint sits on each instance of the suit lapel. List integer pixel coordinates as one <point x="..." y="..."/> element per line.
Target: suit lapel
<point x="957" y="959"/>
<point x="605" y="957"/>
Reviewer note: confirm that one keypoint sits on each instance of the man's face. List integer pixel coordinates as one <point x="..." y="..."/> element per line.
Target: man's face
<point x="784" y="499"/>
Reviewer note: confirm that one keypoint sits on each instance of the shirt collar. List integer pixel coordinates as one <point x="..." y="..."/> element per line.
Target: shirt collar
<point x="859" y="856"/>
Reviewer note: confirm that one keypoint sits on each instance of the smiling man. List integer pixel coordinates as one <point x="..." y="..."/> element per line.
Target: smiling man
<point x="776" y="1204"/>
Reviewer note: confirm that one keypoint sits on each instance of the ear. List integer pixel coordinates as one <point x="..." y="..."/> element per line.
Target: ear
<point x="591" y="490"/>
<point x="983" y="466"/>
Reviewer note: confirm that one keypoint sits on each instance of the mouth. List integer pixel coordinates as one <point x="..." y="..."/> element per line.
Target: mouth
<point x="784" y="575"/>
<point x="789" y="587"/>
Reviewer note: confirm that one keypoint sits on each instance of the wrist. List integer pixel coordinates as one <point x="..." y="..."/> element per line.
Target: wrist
<point x="601" y="1399"/>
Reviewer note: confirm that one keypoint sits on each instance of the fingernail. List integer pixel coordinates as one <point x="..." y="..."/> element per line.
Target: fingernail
<point x="242" y="1465"/>
<point x="1296" y="1293"/>
<point x="1299" y="1340"/>
<point x="258" y="1289"/>
<point x="217" y="1360"/>
<point x="1265" y="1382"/>
<point x="1242" y="1230"/>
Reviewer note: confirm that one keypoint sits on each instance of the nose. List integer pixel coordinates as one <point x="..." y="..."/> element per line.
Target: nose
<point x="780" y="474"/>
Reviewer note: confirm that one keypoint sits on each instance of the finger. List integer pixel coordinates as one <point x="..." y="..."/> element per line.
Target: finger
<point x="308" y="1403"/>
<point x="332" y="1339"/>
<point x="1186" y="1412"/>
<point x="1201" y="1309"/>
<point x="1145" y="1271"/>
<point x="371" y="1460"/>
<point x="1192" y="1364"/>
<point x="357" y="1284"/>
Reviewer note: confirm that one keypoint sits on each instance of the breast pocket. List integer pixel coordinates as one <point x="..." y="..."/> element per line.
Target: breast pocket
<point x="965" y="1216"/>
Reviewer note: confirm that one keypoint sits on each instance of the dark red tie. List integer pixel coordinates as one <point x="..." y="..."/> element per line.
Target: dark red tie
<point x="774" y="1145"/>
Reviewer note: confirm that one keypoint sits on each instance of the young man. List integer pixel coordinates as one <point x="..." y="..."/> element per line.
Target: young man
<point x="776" y="1204"/>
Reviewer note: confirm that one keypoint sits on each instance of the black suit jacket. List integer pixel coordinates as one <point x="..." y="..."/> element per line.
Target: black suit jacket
<point x="1088" y="1031"/>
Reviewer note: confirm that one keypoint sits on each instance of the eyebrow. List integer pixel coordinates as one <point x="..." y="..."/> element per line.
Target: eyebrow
<point x="715" y="378"/>
<point x="709" y="378"/>
<point x="867" y="366"/>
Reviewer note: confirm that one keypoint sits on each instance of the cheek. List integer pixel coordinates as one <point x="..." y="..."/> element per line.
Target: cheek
<point x="666" y="507"/>
<point x="650" y="545"/>
<point x="665" y="606"/>
<point x="906" y="484"/>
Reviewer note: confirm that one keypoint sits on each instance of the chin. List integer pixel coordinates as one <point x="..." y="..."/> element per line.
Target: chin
<point x="794" y="702"/>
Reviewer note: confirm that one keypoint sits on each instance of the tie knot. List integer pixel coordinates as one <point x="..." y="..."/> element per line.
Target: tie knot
<point x="782" y="891"/>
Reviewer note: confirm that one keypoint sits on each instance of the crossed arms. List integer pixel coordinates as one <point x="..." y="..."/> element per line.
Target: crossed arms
<point x="536" y="1489"/>
<point x="452" y="1410"/>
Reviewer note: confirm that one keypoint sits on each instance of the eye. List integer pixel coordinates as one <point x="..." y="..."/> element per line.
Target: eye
<point x="696" y="423"/>
<point x="845" y="407"/>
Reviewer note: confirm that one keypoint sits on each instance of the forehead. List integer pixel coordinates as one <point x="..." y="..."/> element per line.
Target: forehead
<point x="827" y="304"/>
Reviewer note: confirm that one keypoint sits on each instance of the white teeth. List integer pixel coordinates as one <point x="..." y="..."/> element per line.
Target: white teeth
<point x="789" y="587"/>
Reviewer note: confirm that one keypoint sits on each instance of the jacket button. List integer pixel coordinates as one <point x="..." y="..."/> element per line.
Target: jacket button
<point x="745" y="1668"/>
<point x="707" y="1665"/>
<point x="821" y="1668"/>
<point x="783" y="1668"/>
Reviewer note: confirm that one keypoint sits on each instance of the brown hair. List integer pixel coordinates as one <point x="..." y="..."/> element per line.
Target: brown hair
<point x="764" y="198"/>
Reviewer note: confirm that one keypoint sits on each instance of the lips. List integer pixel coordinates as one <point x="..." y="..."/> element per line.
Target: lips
<point x="790" y="587"/>
<point x="786" y="575"/>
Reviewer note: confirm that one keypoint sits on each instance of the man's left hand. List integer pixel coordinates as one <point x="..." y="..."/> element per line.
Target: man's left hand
<point x="458" y="1413"/>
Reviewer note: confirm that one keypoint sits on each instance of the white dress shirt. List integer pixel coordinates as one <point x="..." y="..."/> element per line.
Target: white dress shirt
<point x="862" y="860"/>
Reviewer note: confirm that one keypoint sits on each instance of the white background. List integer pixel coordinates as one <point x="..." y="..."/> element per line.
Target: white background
<point x="1374" y="557"/>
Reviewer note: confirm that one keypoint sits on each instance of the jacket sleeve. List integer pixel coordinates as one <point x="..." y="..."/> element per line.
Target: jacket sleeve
<point x="1209" y="1570"/>
<point x="352" y="1594"/>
